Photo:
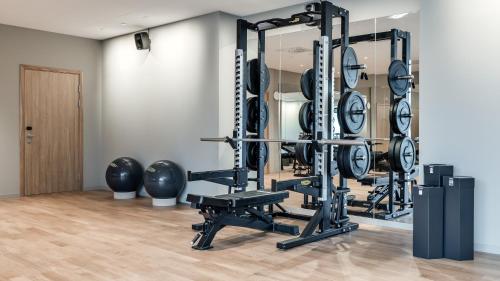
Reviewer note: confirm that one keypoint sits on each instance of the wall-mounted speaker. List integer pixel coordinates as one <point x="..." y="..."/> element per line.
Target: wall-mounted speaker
<point x="142" y="41"/>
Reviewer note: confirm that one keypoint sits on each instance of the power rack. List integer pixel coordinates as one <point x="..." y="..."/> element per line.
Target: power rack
<point x="247" y="208"/>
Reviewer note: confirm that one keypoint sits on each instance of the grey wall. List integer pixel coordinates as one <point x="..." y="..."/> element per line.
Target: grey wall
<point x="25" y="46"/>
<point x="157" y="105"/>
<point x="459" y="100"/>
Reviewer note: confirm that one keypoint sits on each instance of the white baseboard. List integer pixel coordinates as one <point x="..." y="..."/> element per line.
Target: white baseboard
<point x="487" y="248"/>
<point x="384" y="223"/>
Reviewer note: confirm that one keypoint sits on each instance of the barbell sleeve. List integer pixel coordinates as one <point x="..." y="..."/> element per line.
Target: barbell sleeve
<point x="405" y="77"/>
<point x="357" y="66"/>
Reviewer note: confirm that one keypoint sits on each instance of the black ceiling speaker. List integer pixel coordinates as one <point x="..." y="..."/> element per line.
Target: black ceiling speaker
<point x="142" y="41"/>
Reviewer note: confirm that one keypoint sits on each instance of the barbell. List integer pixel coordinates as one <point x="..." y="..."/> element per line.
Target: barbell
<point x="346" y="142"/>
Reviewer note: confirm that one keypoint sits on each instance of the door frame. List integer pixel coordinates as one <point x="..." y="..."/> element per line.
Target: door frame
<point x="22" y="131"/>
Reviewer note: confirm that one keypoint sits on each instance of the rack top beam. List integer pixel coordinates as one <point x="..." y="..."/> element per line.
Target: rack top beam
<point x="372" y="37"/>
<point x="312" y="18"/>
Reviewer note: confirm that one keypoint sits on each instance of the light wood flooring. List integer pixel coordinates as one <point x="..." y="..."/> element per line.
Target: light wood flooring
<point x="89" y="236"/>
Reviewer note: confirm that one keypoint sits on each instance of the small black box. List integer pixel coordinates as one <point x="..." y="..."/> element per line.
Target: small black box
<point x="434" y="173"/>
<point x="459" y="218"/>
<point x="428" y="221"/>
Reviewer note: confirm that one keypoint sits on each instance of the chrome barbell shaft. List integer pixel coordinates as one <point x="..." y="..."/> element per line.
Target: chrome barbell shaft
<point x="327" y="142"/>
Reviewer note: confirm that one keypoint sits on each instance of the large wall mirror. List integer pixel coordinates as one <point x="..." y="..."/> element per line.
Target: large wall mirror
<point x="290" y="53"/>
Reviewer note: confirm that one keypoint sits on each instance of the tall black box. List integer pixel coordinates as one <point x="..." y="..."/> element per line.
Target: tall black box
<point x="434" y="173"/>
<point x="428" y="221"/>
<point x="459" y="218"/>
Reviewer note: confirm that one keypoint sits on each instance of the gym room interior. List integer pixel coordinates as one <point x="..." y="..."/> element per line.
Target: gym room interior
<point x="251" y="140"/>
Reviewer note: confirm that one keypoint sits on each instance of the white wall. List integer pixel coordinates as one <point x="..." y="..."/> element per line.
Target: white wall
<point x="25" y="46"/>
<point x="459" y="100"/>
<point x="157" y="105"/>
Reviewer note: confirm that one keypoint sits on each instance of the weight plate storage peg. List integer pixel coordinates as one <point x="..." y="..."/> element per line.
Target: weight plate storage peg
<point x="401" y="116"/>
<point x="402" y="154"/>
<point x="351" y="67"/>
<point x="306" y="117"/>
<point x="307" y="84"/>
<point x="399" y="78"/>
<point x="253" y="115"/>
<point x="351" y="112"/>
<point x="253" y="77"/>
<point x="354" y="161"/>
<point x="253" y="154"/>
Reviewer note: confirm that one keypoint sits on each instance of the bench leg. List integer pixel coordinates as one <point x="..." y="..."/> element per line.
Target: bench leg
<point x="210" y="229"/>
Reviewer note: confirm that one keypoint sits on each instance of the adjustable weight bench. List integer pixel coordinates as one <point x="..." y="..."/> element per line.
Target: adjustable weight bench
<point x="243" y="209"/>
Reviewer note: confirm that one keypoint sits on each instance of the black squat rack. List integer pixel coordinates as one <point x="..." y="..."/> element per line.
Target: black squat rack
<point x="248" y="208"/>
<point x="317" y="119"/>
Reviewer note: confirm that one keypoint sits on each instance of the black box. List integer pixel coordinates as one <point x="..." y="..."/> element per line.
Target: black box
<point x="428" y="221"/>
<point x="459" y="218"/>
<point x="434" y="173"/>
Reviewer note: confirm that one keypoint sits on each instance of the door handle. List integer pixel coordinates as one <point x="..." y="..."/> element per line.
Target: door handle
<point x="29" y="135"/>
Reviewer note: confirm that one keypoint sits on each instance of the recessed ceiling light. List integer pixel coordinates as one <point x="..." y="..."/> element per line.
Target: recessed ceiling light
<point x="123" y="24"/>
<point x="365" y="58"/>
<point x="398" y="16"/>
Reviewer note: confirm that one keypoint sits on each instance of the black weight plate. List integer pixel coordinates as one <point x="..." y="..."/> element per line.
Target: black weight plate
<point x="253" y="115"/>
<point x="304" y="153"/>
<point x="307" y="84"/>
<point x="253" y="154"/>
<point x="401" y="116"/>
<point x="306" y="117"/>
<point x="398" y="86"/>
<point x="253" y="77"/>
<point x="402" y="154"/>
<point x="351" y="112"/>
<point x="354" y="161"/>
<point x="351" y="76"/>
<point x="391" y="153"/>
<point x="341" y="161"/>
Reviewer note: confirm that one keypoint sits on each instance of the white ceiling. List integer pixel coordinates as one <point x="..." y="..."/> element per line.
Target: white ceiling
<point x="102" y="19"/>
<point x="293" y="51"/>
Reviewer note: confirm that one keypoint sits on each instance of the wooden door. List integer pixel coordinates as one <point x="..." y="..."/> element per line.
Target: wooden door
<point x="51" y="130"/>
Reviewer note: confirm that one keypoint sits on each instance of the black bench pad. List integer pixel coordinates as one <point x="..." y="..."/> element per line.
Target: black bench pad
<point x="239" y="200"/>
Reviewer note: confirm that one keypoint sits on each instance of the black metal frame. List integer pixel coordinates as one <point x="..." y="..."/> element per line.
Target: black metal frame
<point x="330" y="217"/>
<point x="400" y="203"/>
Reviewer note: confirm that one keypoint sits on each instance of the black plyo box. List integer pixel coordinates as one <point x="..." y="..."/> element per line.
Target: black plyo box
<point x="428" y="221"/>
<point x="434" y="173"/>
<point x="459" y="218"/>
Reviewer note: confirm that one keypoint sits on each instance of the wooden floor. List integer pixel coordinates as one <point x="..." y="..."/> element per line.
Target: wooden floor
<point x="88" y="236"/>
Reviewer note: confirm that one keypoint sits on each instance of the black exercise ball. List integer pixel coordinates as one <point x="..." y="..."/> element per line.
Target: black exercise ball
<point x="164" y="179"/>
<point x="124" y="175"/>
